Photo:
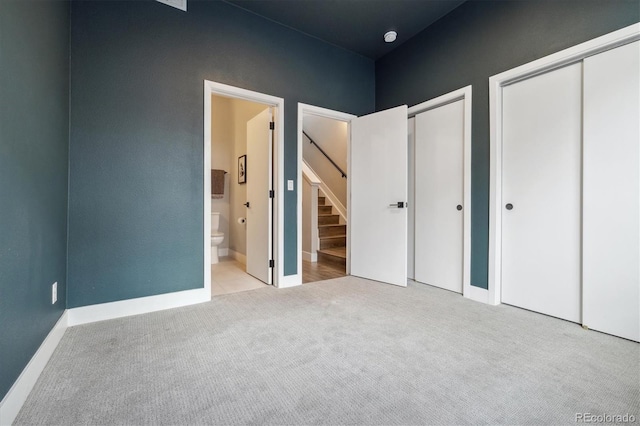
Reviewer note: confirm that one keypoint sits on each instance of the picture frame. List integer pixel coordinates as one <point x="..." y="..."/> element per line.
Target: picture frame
<point x="242" y="169"/>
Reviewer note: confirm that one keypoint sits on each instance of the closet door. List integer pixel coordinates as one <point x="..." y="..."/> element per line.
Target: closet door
<point x="541" y="187"/>
<point x="439" y="145"/>
<point x="611" y="261"/>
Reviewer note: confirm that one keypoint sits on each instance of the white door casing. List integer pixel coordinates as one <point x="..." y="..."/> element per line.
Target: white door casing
<point x="259" y="183"/>
<point x="541" y="180"/>
<point x="611" y="207"/>
<point x="378" y="181"/>
<point x="411" y="198"/>
<point x="439" y="196"/>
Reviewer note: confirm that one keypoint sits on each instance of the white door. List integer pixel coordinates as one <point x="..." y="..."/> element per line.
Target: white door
<point x="259" y="183"/>
<point x="541" y="193"/>
<point x="439" y="183"/>
<point x="377" y="212"/>
<point x="611" y="228"/>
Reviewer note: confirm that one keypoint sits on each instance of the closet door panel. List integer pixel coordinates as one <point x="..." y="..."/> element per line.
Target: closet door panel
<point x="541" y="193"/>
<point x="439" y="171"/>
<point x="611" y="248"/>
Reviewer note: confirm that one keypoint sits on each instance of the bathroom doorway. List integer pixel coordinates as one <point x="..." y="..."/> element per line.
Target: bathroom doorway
<point x="242" y="156"/>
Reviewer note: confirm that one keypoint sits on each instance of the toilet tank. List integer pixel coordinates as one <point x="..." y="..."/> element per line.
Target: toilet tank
<point x="215" y="221"/>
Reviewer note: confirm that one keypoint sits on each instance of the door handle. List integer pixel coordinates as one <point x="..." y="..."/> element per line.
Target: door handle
<point x="247" y="204"/>
<point x="399" y="204"/>
<point x="509" y="206"/>
<point x="459" y="207"/>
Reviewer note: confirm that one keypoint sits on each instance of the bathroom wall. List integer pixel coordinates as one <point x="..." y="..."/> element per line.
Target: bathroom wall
<point x="222" y="152"/>
<point x="242" y="111"/>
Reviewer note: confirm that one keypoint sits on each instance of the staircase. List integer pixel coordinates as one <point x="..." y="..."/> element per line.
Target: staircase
<point x="332" y="235"/>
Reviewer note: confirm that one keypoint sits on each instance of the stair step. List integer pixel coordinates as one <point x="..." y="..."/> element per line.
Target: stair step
<point x="325" y="209"/>
<point x="328" y="219"/>
<point x="333" y="241"/>
<point x="337" y="255"/>
<point x="321" y="200"/>
<point x="331" y="230"/>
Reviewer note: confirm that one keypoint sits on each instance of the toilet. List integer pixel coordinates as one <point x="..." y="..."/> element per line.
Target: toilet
<point x="216" y="236"/>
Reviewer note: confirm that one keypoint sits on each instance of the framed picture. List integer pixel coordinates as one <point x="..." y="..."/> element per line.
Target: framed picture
<point x="242" y="169"/>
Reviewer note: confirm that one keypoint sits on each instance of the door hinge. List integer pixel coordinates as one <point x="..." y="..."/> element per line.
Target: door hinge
<point x="272" y="193"/>
<point x="272" y="125"/>
<point x="271" y="263"/>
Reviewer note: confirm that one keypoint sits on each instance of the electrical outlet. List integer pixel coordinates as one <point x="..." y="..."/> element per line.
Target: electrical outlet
<point x="54" y="292"/>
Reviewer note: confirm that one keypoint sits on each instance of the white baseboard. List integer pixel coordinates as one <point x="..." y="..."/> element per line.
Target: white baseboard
<point x="223" y="252"/>
<point x="140" y="305"/>
<point x="17" y="395"/>
<point x="290" y="281"/>
<point x="309" y="257"/>
<point x="238" y="256"/>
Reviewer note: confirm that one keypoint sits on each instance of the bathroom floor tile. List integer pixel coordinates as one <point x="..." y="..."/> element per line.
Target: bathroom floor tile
<point x="230" y="276"/>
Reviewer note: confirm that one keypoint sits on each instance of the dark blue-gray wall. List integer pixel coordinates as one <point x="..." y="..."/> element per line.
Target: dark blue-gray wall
<point x="34" y="138"/>
<point x="136" y="148"/>
<point x="475" y="41"/>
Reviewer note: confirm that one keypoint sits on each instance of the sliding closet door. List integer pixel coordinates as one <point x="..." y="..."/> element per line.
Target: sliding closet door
<point x="612" y="192"/>
<point x="541" y="187"/>
<point x="439" y="146"/>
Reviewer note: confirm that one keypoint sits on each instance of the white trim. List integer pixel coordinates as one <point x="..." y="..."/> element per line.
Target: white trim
<point x="238" y="256"/>
<point x="17" y="395"/>
<point x="213" y="88"/>
<point x="326" y="191"/>
<point x="334" y="115"/>
<point x="223" y="252"/>
<point x="309" y="257"/>
<point x="137" y="306"/>
<point x="496" y="83"/>
<point x="291" y="280"/>
<point x="464" y="93"/>
<point x="314" y="183"/>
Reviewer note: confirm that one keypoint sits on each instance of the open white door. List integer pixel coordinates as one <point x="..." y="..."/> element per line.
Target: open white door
<point x="378" y="180"/>
<point x="259" y="204"/>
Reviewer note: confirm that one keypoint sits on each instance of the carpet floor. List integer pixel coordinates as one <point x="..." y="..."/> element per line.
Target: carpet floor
<point x="343" y="351"/>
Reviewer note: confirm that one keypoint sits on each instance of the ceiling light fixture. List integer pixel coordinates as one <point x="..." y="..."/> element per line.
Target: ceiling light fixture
<point x="390" y="36"/>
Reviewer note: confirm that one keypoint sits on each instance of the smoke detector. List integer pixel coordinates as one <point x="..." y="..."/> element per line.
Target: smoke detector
<point x="390" y="36"/>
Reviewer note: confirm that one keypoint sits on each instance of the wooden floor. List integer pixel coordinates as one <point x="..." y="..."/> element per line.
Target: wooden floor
<point x="320" y="271"/>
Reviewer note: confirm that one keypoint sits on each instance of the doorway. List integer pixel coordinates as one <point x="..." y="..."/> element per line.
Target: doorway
<point x="246" y="160"/>
<point x="324" y="171"/>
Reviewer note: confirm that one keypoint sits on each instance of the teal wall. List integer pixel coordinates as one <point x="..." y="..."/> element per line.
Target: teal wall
<point x="136" y="148"/>
<point x="34" y="137"/>
<point x="475" y="41"/>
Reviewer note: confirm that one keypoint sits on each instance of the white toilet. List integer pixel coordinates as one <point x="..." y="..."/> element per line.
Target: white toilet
<point x="216" y="236"/>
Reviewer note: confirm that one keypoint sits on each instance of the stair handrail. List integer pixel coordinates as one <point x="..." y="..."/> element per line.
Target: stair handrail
<point x="344" y="175"/>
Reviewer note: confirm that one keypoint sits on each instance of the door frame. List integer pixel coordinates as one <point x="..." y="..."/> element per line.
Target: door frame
<point x="219" y="89"/>
<point x="334" y="115"/>
<point x="464" y="93"/>
<point x="557" y="60"/>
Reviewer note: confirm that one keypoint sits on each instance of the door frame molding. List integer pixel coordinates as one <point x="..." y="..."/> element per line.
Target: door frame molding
<point x="334" y="115"/>
<point x="219" y="89"/>
<point x="496" y="83"/>
<point x="465" y="93"/>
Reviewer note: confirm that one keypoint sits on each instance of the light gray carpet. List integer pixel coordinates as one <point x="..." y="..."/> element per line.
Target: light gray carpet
<point x="345" y="351"/>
